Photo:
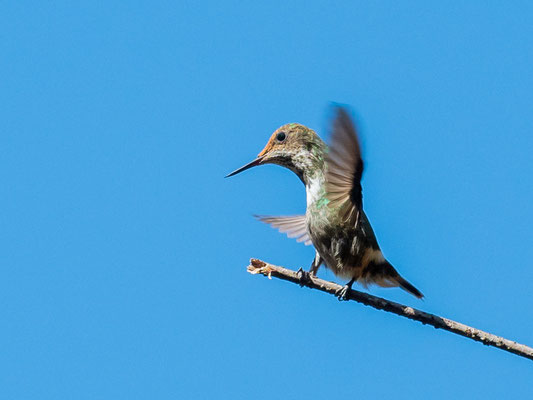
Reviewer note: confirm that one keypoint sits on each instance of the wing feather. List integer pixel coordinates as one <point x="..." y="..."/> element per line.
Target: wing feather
<point x="344" y="167"/>
<point x="294" y="226"/>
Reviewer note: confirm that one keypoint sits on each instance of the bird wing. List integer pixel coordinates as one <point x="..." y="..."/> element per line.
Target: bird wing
<point x="294" y="226"/>
<point x="344" y="168"/>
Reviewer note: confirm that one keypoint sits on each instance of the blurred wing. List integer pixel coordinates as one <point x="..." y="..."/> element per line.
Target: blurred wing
<point x="294" y="226"/>
<point x="344" y="168"/>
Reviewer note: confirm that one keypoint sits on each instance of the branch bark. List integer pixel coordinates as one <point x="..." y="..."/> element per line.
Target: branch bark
<point x="266" y="269"/>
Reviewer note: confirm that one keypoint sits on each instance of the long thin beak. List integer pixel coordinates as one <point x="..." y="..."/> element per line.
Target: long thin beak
<point x="255" y="162"/>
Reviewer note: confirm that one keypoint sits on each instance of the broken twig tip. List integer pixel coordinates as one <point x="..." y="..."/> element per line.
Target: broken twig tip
<point x="259" y="267"/>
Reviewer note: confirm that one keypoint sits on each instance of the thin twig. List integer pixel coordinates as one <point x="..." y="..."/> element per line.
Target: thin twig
<point x="261" y="267"/>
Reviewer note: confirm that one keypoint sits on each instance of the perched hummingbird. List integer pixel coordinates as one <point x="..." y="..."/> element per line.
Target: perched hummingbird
<point x="334" y="222"/>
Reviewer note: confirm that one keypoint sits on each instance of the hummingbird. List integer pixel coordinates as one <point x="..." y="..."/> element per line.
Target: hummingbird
<point x="334" y="221"/>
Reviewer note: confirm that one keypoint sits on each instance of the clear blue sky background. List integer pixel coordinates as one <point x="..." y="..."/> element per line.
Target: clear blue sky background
<point x="123" y="250"/>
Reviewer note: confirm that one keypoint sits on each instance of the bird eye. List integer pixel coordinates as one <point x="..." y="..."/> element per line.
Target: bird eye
<point x="280" y="136"/>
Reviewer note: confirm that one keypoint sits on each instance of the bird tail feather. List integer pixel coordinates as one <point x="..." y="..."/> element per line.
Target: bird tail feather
<point x="409" y="288"/>
<point x="385" y="275"/>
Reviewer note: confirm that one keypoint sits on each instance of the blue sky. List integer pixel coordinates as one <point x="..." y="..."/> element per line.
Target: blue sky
<point x="123" y="250"/>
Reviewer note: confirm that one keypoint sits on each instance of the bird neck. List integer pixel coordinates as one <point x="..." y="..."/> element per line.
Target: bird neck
<point x="313" y="167"/>
<point x="308" y="162"/>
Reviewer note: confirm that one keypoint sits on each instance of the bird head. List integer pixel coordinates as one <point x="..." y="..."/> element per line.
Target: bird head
<point x="292" y="146"/>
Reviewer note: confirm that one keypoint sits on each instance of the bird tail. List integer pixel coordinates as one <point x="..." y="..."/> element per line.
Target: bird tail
<point x="385" y="275"/>
<point x="409" y="288"/>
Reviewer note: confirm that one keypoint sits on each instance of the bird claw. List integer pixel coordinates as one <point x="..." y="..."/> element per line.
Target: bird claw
<point x="304" y="277"/>
<point x="342" y="293"/>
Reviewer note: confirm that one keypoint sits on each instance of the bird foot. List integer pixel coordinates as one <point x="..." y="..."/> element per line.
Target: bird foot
<point x="304" y="277"/>
<point x="343" y="293"/>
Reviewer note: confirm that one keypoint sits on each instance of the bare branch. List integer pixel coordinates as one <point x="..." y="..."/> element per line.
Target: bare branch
<point x="261" y="267"/>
